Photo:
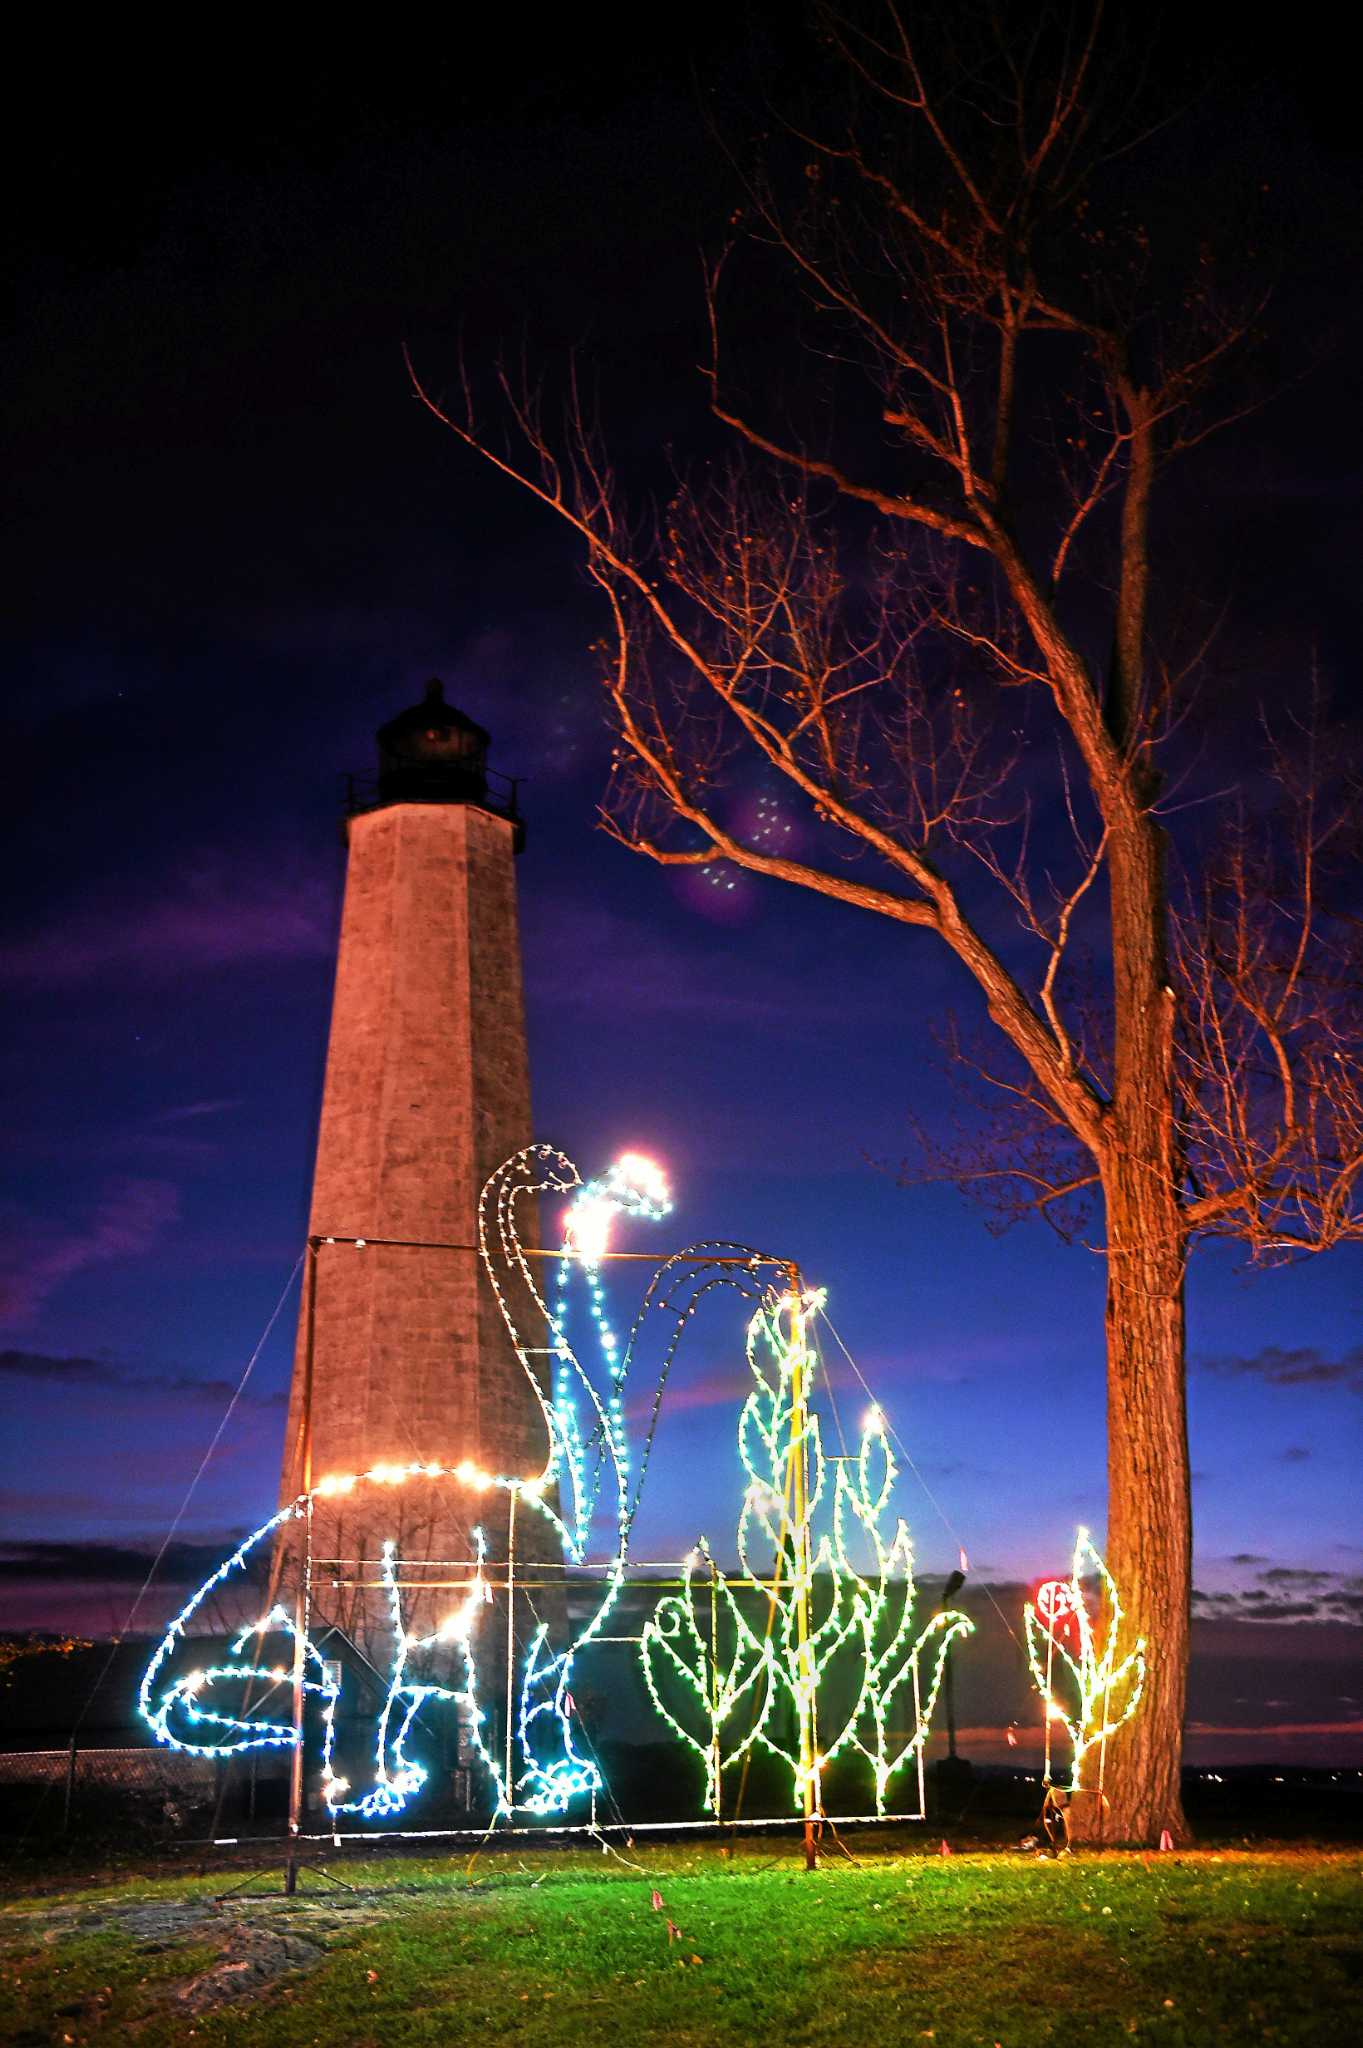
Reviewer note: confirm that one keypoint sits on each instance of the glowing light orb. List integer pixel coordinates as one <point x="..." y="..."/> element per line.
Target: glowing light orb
<point x="212" y="1713"/>
<point x="634" y="1186"/>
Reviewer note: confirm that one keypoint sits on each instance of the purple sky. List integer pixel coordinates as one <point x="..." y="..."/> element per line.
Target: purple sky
<point x="240" y="548"/>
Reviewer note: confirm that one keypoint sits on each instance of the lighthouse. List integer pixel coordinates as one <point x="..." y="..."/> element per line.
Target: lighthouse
<point x="402" y="1354"/>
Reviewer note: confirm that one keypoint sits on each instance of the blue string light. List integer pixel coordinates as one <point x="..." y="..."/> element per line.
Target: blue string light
<point x="554" y="1773"/>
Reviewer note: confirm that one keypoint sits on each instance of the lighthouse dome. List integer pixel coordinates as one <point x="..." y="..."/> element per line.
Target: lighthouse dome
<point x="432" y="753"/>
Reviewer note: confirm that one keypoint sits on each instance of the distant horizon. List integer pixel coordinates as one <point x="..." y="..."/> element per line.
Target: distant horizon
<point x="1308" y="1713"/>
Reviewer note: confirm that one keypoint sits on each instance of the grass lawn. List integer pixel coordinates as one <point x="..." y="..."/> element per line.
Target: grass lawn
<point x="544" y="1947"/>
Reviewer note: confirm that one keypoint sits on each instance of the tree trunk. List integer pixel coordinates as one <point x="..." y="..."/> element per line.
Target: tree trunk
<point x="1149" y="1512"/>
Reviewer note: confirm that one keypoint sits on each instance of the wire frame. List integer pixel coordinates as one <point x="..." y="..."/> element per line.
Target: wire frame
<point x="769" y="1627"/>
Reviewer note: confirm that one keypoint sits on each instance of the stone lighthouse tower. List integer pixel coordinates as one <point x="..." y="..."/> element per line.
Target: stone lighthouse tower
<point x="402" y="1353"/>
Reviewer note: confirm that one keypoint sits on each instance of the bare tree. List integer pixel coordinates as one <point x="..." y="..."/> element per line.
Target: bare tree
<point x="929" y="617"/>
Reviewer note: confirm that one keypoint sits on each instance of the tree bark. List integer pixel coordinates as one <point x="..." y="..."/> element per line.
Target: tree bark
<point x="1149" y="1515"/>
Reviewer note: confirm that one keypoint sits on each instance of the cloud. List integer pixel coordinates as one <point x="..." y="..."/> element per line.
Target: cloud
<point x="192" y="1110"/>
<point x="1279" y="1731"/>
<point x="729" y="1387"/>
<point x="35" y="1261"/>
<point x="1304" y="1366"/>
<point x="582" y="954"/>
<point x="721" y="1389"/>
<point x="1208" y="1743"/>
<point x="211" y="920"/>
<point x="1258" y="1692"/>
<point x="122" y="1563"/>
<point x="585" y="955"/>
<point x="1284" y="1593"/>
<point x="109" y="1378"/>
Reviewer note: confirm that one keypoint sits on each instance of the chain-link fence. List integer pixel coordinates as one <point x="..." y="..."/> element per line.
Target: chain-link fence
<point x="144" y="1790"/>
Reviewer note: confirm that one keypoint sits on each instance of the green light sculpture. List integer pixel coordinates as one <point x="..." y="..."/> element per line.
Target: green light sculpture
<point x="1071" y="1654"/>
<point x="820" y="1617"/>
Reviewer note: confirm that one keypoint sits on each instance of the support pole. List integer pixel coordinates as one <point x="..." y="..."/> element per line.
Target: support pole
<point x="1050" y="1659"/>
<point x="716" y="1758"/>
<point x="302" y="1603"/>
<point x="799" y="1422"/>
<point x="510" y="1641"/>
<point x="1102" y="1760"/>
<point x="921" y="1742"/>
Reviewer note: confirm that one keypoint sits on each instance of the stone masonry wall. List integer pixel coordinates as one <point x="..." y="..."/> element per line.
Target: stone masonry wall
<point x="427" y="1091"/>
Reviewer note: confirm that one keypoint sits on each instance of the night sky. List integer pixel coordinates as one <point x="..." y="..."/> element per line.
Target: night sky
<point x="238" y="544"/>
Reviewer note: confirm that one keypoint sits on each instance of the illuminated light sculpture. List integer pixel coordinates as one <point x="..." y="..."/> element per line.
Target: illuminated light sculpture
<point x="396" y="1775"/>
<point x="1104" y="1687"/>
<point x="793" y="1656"/>
<point x="182" y="1697"/>
<point x="178" y="1715"/>
<point x="553" y="1772"/>
<point x="720" y="1655"/>
<point x="634" y="1186"/>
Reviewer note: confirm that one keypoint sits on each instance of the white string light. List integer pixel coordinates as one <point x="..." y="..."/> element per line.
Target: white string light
<point x="866" y="1625"/>
<point x="867" y="1622"/>
<point x="1105" y="1688"/>
<point x="554" y="1773"/>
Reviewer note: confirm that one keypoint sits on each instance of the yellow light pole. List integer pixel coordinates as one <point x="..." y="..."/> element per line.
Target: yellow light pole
<point x="799" y="1507"/>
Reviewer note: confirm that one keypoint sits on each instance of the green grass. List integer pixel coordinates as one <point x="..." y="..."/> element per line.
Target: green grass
<point x="543" y="1948"/>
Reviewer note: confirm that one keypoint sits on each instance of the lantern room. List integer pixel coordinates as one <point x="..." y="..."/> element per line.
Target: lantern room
<point x="434" y="754"/>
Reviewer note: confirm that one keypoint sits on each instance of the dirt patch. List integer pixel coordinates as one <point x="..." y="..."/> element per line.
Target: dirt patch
<point x="151" y="1926"/>
<point x="250" y="1959"/>
<point x="163" y="1924"/>
<point x="253" y="1943"/>
<point x="262" y="1941"/>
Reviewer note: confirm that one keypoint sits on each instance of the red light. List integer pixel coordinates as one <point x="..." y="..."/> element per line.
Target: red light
<point x="1057" y="1605"/>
